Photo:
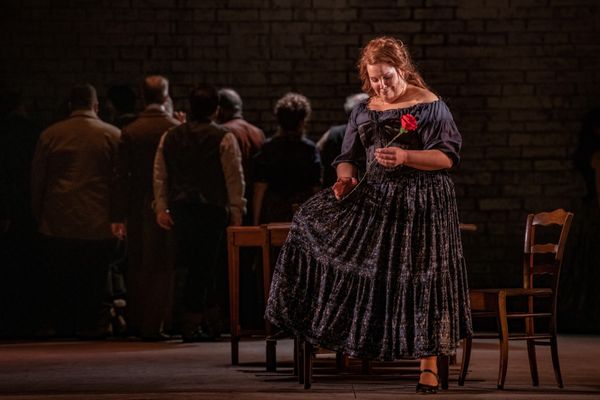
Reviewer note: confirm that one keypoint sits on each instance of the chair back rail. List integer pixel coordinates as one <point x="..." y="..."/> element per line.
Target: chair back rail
<point x="531" y="267"/>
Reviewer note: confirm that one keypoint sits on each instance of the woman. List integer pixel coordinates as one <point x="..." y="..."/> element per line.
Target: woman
<point x="288" y="167"/>
<point x="376" y="269"/>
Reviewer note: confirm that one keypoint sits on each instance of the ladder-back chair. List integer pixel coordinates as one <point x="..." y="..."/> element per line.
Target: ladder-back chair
<point x="541" y="263"/>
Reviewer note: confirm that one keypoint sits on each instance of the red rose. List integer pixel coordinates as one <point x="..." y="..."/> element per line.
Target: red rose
<point x="408" y="122"/>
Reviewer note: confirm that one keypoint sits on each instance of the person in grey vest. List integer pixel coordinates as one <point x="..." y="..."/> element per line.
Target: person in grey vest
<point x="72" y="174"/>
<point x="198" y="191"/>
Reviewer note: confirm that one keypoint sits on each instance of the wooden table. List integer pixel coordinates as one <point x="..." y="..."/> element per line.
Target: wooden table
<point x="266" y="237"/>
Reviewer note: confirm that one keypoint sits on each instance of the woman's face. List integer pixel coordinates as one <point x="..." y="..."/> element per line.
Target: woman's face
<point x="386" y="81"/>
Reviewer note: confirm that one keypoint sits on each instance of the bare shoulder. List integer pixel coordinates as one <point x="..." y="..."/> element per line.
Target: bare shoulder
<point x="425" y="95"/>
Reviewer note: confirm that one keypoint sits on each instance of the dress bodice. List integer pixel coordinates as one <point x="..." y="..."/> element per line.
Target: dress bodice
<point x="370" y="129"/>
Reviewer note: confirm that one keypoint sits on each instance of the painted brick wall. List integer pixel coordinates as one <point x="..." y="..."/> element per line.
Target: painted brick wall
<point x="518" y="75"/>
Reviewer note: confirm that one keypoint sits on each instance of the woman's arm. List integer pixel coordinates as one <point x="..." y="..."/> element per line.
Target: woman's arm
<point x="346" y="180"/>
<point x="427" y="160"/>
<point x="346" y="170"/>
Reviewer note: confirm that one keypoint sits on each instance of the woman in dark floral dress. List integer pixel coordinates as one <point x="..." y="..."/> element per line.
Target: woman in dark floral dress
<point x="375" y="269"/>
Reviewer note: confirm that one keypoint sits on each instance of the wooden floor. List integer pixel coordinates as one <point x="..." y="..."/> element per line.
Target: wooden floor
<point x="129" y="369"/>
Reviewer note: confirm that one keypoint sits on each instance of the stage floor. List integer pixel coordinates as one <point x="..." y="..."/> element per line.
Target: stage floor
<point x="129" y="369"/>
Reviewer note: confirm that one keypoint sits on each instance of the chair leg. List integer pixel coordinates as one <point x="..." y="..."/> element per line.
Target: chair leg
<point x="530" y="331"/>
<point x="307" y="364"/>
<point x="300" y="357"/>
<point x="555" y="362"/>
<point x="443" y="370"/>
<point x="532" y="362"/>
<point x="271" y="355"/>
<point x="233" y="255"/>
<point x="503" y="325"/>
<point x="466" y="358"/>
<point x="366" y="366"/>
<point x="296" y="358"/>
<point x="339" y="360"/>
<point x="235" y="350"/>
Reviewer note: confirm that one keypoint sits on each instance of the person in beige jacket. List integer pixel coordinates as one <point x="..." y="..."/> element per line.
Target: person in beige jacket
<point x="72" y="171"/>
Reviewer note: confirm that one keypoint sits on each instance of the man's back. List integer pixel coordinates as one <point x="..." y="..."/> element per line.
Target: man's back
<point x="250" y="137"/>
<point x="192" y="154"/>
<point x="139" y="141"/>
<point x="71" y="178"/>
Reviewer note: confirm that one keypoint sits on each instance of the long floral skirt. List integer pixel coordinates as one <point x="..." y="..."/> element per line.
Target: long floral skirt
<point x="379" y="274"/>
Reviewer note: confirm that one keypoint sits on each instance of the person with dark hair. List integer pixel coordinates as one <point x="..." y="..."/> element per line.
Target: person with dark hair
<point x="120" y="105"/>
<point x="149" y="274"/>
<point x="587" y="153"/>
<point x="288" y="167"/>
<point x="249" y="137"/>
<point x="375" y="268"/>
<point x="198" y="191"/>
<point x="579" y="300"/>
<point x="18" y="136"/>
<point x="72" y="173"/>
<point x="330" y="144"/>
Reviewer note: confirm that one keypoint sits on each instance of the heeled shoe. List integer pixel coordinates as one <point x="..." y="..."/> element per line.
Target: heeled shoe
<point x="428" y="389"/>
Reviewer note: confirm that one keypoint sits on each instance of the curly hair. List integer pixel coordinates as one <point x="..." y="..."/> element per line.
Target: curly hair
<point x="391" y="51"/>
<point x="291" y="111"/>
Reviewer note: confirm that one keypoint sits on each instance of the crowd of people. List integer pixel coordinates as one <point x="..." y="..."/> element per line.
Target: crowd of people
<point x="372" y="267"/>
<point x="121" y="200"/>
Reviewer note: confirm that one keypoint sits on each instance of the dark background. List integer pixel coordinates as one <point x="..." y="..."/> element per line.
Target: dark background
<point x="517" y="74"/>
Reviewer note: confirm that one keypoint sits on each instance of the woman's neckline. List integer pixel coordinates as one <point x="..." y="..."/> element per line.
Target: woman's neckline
<point x="402" y="108"/>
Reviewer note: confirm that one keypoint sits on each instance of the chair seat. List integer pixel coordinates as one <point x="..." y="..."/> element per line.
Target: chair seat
<point x="515" y="291"/>
<point x="486" y="300"/>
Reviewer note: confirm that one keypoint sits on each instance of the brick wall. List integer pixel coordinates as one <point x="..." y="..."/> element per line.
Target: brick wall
<point x="518" y="75"/>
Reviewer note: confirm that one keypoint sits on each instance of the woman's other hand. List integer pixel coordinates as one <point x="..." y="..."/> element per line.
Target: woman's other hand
<point x="164" y="220"/>
<point x="119" y="230"/>
<point x="343" y="186"/>
<point x="391" y="157"/>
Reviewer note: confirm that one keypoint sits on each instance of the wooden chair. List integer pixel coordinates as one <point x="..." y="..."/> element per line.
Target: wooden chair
<point x="538" y="259"/>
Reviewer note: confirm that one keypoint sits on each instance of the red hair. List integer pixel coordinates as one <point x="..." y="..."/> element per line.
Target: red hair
<point x="391" y="51"/>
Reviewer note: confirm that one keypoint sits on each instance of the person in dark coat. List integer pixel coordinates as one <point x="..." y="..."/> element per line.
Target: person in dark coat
<point x="578" y="295"/>
<point x="18" y="236"/>
<point x="250" y="138"/>
<point x="330" y="144"/>
<point x="120" y="105"/>
<point x="288" y="167"/>
<point x="149" y="272"/>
